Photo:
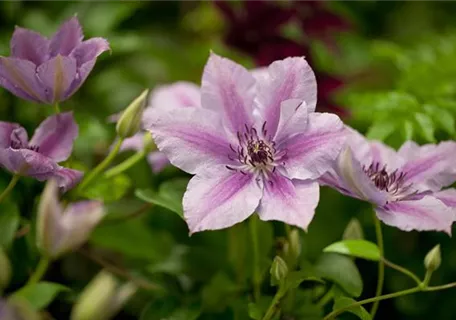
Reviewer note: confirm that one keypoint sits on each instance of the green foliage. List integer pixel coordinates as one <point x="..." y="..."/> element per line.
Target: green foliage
<point x="108" y="189"/>
<point x="358" y="311"/>
<point x="9" y="222"/>
<point x="355" y="248"/>
<point x="41" y="294"/>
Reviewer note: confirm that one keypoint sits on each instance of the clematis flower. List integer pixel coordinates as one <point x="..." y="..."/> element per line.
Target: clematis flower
<point x="405" y="186"/>
<point x="38" y="158"/>
<point x="253" y="145"/>
<point x="49" y="70"/>
<point x="60" y="231"/>
<point x="177" y="95"/>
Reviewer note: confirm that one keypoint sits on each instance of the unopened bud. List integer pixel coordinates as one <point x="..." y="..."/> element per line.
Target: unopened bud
<point x="279" y="271"/>
<point x="130" y="121"/>
<point x="433" y="259"/>
<point x="353" y="231"/>
<point x="5" y="270"/>
<point x="102" y="298"/>
<point x="148" y="142"/>
<point x="292" y="248"/>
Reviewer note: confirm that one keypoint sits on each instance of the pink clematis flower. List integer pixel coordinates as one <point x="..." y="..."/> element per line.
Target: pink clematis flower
<point x="49" y="70"/>
<point x="177" y="95"/>
<point x="404" y="185"/>
<point x="52" y="143"/>
<point x="255" y="144"/>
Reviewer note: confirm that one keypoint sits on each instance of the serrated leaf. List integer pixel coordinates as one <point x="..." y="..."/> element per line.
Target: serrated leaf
<point x="381" y="130"/>
<point x="358" y="311"/>
<point x="41" y="294"/>
<point x="341" y="270"/>
<point x="408" y="130"/>
<point x="9" y="222"/>
<point x="426" y="126"/>
<point x="108" y="189"/>
<point x="442" y="117"/>
<point x="355" y="248"/>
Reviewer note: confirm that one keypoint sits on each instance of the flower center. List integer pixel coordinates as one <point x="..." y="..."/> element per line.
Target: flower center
<point x="19" y="141"/>
<point x="393" y="182"/>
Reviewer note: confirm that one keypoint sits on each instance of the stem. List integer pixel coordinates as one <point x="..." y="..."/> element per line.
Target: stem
<point x="442" y="287"/>
<point x="57" y="108"/>
<point x="10" y="187"/>
<point x="326" y="298"/>
<point x="39" y="271"/>
<point x="381" y="265"/>
<point x="427" y="278"/>
<point x="403" y="270"/>
<point x="126" y="164"/>
<point x="143" y="209"/>
<point x="253" y="224"/>
<point x="273" y="307"/>
<point x="101" y="166"/>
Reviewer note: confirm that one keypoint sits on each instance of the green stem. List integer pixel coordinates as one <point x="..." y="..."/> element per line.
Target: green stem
<point x="253" y="224"/>
<point x="402" y="270"/>
<point x="10" y="187"/>
<point x="381" y="265"/>
<point x="274" y="306"/>
<point x="57" y="108"/>
<point x="39" y="271"/>
<point x="328" y="296"/>
<point x="102" y="166"/>
<point x="125" y="165"/>
<point x="427" y="278"/>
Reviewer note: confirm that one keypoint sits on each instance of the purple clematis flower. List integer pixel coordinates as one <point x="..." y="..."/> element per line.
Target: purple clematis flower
<point x="49" y="71"/>
<point x="52" y="143"/>
<point x="177" y="95"/>
<point x="405" y="186"/>
<point x="254" y="144"/>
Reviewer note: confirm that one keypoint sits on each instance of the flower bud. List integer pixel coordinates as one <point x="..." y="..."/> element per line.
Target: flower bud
<point x="279" y="271"/>
<point x="433" y="259"/>
<point x="102" y="298"/>
<point x="149" y="144"/>
<point x="62" y="230"/>
<point x="292" y="248"/>
<point x="5" y="270"/>
<point x="130" y="121"/>
<point x="353" y="231"/>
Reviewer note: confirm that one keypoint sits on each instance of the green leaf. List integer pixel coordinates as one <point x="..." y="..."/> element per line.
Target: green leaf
<point x="255" y="312"/>
<point x="295" y="278"/>
<point x="108" y="189"/>
<point x="442" y="117"/>
<point x="40" y="295"/>
<point x="358" y="311"/>
<point x="381" y="130"/>
<point x="355" y="248"/>
<point x="218" y="293"/>
<point x="9" y="222"/>
<point x="353" y="230"/>
<point x="169" y="195"/>
<point x="341" y="270"/>
<point x="408" y="130"/>
<point x="426" y="125"/>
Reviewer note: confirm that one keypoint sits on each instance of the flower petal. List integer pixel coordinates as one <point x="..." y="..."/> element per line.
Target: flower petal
<point x="220" y="200"/>
<point x="292" y="202"/>
<point x="312" y="153"/>
<point x="294" y="116"/>
<point x="158" y="161"/>
<point x="135" y="143"/>
<point x="177" y="95"/>
<point x="227" y="88"/>
<point x="29" y="45"/>
<point x="385" y="156"/>
<point x="19" y="77"/>
<point x="89" y="50"/>
<point x="81" y="76"/>
<point x="57" y="74"/>
<point x="425" y="214"/>
<point x="68" y="37"/>
<point x="291" y="78"/>
<point x="28" y="163"/>
<point x="55" y="136"/>
<point x="66" y="178"/>
<point x="193" y="139"/>
<point x="430" y="165"/>
<point x="6" y="129"/>
<point x="448" y="197"/>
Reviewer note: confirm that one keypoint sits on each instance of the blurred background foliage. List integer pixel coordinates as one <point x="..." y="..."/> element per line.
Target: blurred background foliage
<point x="390" y="70"/>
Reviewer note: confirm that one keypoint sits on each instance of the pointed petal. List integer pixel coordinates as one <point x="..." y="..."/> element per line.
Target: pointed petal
<point x="81" y="75"/>
<point x="177" y="95"/>
<point x="448" y="197"/>
<point x="158" y="161"/>
<point x="55" y="136"/>
<point x="220" y="200"/>
<point x="89" y="50"/>
<point x="354" y="179"/>
<point x="66" y="178"/>
<point x="294" y="116"/>
<point x="227" y="88"/>
<point x="425" y="214"/>
<point x="29" y="45"/>
<point x="193" y="139"/>
<point x="335" y="181"/>
<point x="291" y="78"/>
<point x="430" y="165"/>
<point x="311" y="153"/>
<point x="292" y="202"/>
<point x="19" y="77"/>
<point x="385" y="155"/>
<point x="6" y="129"/>
<point x="68" y="37"/>
<point x="57" y="74"/>
<point x="28" y="163"/>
